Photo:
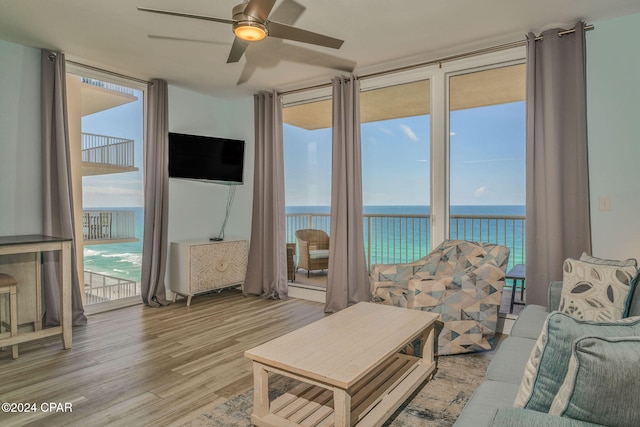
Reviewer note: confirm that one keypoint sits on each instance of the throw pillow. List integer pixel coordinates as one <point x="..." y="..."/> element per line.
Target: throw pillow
<point x="595" y="291"/>
<point x="630" y="262"/>
<point x="547" y="366"/>
<point x="601" y="385"/>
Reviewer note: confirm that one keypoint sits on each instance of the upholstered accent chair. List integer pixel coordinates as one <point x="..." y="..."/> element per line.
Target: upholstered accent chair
<point x="461" y="280"/>
<point x="313" y="246"/>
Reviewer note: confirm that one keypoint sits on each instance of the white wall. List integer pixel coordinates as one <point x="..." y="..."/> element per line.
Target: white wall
<point x="613" y="103"/>
<point x="197" y="209"/>
<point x="20" y="177"/>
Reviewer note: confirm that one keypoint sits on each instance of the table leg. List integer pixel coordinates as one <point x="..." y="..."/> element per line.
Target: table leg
<point x="428" y="344"/>
<point x="65" y="294"/>
<point x="341" y="408"/>
<point x="260" y="390"/>
<point x="14" y="320"/>
<point x="513" y="296"/>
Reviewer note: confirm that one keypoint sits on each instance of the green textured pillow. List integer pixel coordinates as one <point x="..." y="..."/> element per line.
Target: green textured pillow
<point x="601" y="385"/>
<point x="596" y="291"/>
<point x="547" y="366"/>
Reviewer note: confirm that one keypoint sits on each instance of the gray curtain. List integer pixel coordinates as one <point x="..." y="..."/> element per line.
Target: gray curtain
<point x="156" y="195"/>
<point x="347" y="281"/>
<point x="558" y="220"/>
<point x="267" y="272"/>
<point x="57" y="205"/>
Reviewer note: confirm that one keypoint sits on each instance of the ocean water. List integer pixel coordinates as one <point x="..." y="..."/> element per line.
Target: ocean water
<point x="406" y="237"/>
<point x="392" y="240"/>
<point x="121" y="260"/>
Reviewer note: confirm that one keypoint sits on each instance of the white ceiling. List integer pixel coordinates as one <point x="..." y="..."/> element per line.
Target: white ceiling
<point x="378" y="34"/>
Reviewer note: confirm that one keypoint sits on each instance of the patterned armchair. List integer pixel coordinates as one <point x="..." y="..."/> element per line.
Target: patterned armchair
<point x="461" y="280"/>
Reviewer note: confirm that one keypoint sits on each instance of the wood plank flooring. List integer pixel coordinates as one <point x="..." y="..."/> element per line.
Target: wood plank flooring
<point x="141" y="366"/>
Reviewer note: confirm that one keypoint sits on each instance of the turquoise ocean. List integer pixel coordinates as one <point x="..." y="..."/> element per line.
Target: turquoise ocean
<point x="402" y="239"/>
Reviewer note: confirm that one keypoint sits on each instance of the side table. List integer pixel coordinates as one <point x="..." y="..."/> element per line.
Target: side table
<point x="517" y="274"/>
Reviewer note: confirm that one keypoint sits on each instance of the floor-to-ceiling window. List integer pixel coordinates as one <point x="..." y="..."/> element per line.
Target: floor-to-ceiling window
<point x="443" y="157"/>
<point x="307" y="159"/>
<point x="106" y="127"/>
<point x="487" y="156"/>
<point x="396" y="135"/>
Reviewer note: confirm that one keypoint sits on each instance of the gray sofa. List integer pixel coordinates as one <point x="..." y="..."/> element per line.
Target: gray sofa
<point x="492" y="402"/>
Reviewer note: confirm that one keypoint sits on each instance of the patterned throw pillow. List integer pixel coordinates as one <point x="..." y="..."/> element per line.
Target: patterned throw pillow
<point x="547" y="366"/>
<point x="630" y="262"/>
<point x="601" y="385"/>
<point x="596" y="291"/>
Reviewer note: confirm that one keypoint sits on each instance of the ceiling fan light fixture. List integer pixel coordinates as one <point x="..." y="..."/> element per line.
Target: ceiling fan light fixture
<point x="250" y="31"/>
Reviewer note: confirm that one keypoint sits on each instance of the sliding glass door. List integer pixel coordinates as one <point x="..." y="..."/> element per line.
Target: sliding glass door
<point x="487" y="156"/>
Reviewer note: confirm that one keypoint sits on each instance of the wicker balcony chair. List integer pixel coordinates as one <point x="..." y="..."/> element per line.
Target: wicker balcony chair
<point x="313" y="248"/>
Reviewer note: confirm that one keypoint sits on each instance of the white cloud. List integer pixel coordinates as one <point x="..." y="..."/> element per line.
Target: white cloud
<point x="452" y="133"/>
<point x="481" y="192"/>
<point x="407" y="131"/>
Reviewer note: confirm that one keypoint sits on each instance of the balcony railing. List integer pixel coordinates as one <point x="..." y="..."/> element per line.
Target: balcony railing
<point x="109" y="86"/>
<point x="108" y="225"/>
<point x="102" y="288"/>
<point x="107" y="150"/>
<point x="393" y="239"/>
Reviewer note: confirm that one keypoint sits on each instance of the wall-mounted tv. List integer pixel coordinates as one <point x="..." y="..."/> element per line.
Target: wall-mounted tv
<point x="206" y="158"/>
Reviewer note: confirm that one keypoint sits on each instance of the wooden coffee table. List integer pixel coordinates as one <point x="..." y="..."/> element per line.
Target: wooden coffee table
<point x="349" y="365"/>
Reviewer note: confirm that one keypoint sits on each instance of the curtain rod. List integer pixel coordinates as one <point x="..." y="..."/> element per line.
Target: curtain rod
<point x="122" y="76"/>
<point x="491" y="49"/>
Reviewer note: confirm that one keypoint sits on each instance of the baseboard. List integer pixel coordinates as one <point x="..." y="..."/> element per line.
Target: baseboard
<point x="306" y="292"/>
<point x="505" y="323"/>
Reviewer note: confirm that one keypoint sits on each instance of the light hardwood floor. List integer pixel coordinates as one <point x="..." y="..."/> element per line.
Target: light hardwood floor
<point x="148" y="366"/>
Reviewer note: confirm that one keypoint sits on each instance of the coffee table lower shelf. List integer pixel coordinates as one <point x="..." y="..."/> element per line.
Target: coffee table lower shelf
<point x="373" y="399"/>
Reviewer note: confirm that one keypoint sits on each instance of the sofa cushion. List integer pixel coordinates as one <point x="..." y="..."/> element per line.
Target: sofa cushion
<point x="507" y="364"/>
<point x="318" y="253"/>
<point x="514" y="417"/>
<point x="596" y="291"/>
<point x="601" y="385"/>
<point x="484" y="402"/>
<point x="530" y="322"/>
<point x="547" y="367"/>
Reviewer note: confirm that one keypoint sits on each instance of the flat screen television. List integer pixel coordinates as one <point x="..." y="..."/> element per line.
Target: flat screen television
<point x="206" y="158"/>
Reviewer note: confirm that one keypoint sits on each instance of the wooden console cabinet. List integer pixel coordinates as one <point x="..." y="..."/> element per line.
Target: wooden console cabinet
<point x="203" y="266"/>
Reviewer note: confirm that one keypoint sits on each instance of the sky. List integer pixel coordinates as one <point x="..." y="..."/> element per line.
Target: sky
<point x="487" y="160"/>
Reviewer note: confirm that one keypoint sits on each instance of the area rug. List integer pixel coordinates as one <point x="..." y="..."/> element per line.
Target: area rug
<point x="437" y="403"/>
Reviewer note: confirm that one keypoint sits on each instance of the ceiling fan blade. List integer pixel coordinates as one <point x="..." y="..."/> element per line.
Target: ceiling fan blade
<point x="287" y="12"/>
<point x="237" y="50"/>
<point x="183" y="39"/>
<point x="303" y="55"/>
<point x="186" y="15"/>
<point x="284" y="31"/>
<point x="259" y="9"/>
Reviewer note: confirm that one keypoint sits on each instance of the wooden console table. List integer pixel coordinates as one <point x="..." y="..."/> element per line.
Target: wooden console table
<point x="36" y="243"/>
<point x="349" y="365"/>
<point x="203" y="266"/>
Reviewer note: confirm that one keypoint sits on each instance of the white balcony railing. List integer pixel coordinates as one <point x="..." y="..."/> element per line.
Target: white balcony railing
<point x="108" y="86"/>
<point x="108" y="150"/>
<point x="393" y="239"/>
<point x="108" y="225"/>
<point x="102" y="288"/>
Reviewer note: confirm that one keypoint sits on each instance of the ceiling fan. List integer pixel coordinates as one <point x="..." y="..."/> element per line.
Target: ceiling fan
<point x="250" y="23"/>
